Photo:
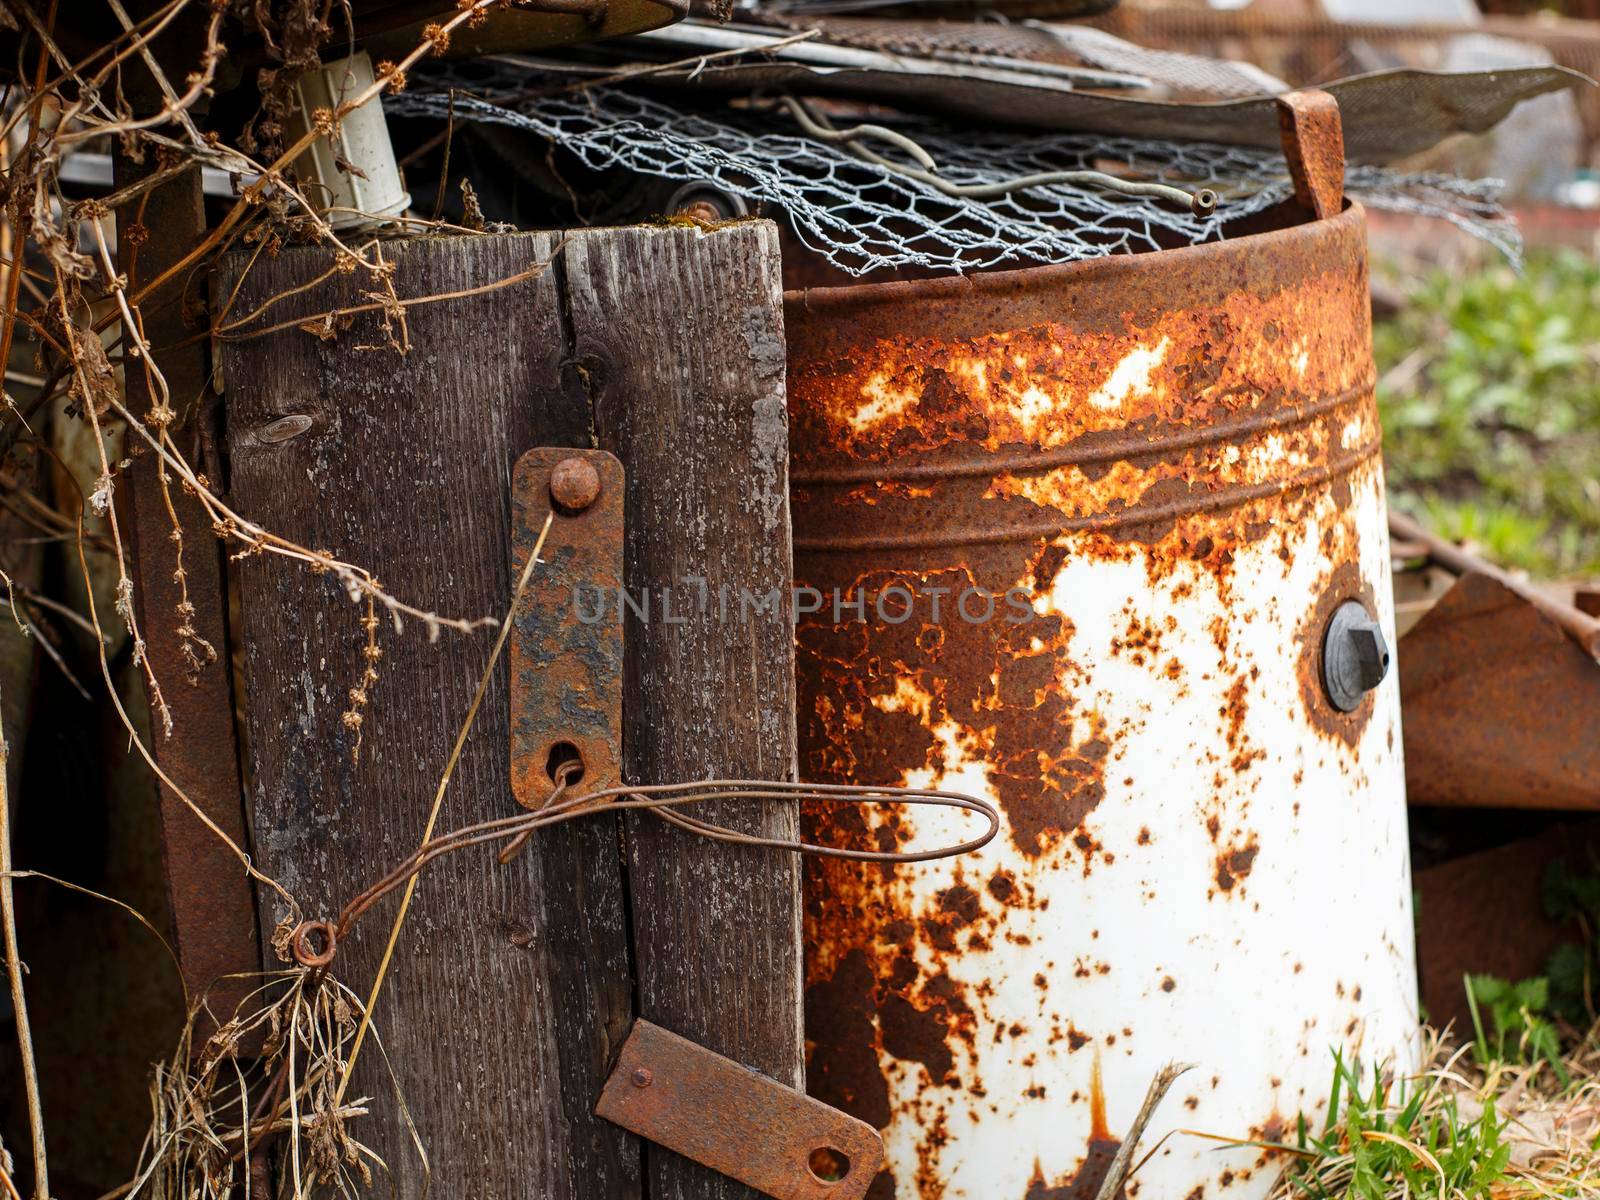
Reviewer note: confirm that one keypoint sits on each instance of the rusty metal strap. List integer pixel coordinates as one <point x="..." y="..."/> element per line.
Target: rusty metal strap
<point x="566" y="662"/>
<point x="737" y="1121"/>
<point x="1313" y="142"/>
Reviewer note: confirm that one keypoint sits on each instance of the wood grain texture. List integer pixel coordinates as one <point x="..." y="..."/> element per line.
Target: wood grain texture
<point x="512" y="986"/>
<point x="664" y="346"/>
<point x="679" y="337"/>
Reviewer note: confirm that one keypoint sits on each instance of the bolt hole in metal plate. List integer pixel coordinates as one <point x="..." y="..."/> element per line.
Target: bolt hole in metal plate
<point x="829" y="1164"/>
<point x="566" y="644"/>
<point x="737" y="1121"/>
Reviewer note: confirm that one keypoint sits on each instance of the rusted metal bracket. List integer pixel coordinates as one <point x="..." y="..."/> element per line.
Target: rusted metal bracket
<point x="1313" y="142"/>
<point x="566" y="638"/>
<point x="738" y="1121"/>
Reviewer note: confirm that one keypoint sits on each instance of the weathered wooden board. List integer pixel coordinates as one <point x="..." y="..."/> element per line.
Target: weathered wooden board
<point x="680" y="337"/>
<point x="512" y="989"/>
<point x="664" y="346"/>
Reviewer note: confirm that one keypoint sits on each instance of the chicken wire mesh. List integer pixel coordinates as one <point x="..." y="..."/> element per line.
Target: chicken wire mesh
<point x="862" y="216"/>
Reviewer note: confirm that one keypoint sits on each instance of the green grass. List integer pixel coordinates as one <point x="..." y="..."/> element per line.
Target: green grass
<point x="1489" y="386"/>
<point x="1385" y="1139"/>
<point x="1518" y="1013"/>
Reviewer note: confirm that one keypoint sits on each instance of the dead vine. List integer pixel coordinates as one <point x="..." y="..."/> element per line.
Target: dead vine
<point x="72" y="296"/>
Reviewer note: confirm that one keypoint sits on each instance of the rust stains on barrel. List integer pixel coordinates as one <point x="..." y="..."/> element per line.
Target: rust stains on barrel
<point x="968" y="435"/>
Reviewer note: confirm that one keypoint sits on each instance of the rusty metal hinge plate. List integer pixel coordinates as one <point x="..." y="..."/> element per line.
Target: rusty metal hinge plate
<point x="566" y="636"/>
<point x="737" y="1121"/>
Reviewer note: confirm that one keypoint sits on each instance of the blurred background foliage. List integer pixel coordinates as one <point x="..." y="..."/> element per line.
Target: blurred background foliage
<point x="1489" y="385"/>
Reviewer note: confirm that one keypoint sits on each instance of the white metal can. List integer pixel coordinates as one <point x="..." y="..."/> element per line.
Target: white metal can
<point x="1162" y="472"/>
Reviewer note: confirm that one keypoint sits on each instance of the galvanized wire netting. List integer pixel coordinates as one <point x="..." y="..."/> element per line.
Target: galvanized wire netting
<point x="862" y="216"/>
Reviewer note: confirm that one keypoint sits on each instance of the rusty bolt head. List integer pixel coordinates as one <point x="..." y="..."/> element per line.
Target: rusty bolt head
<point x="705" y="201"/>
<point x="1355" y="656"/>
<point x="574" y="484"/>
<point x="642" y="1077"/>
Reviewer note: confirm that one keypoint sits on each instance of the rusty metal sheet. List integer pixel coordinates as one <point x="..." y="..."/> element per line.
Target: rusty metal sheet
<point x="1582" y="625"/>
<point x="566" y="640"/>
<point x="1164" y="467"/>
<point x="1313" y="142"/>
<point x="737" y="1121"/>
<point x="1501" y="704"/>
<point x="213" y="905"/>
<point x="1482" y="914"/>
<point x="181" y="597"/>
<point x="1387" y="114"/>
<point x="395" y="28"/>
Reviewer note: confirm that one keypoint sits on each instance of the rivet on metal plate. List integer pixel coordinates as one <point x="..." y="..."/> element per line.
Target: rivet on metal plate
<point x="566" y="637"/>
<point x="737" y="1121"/>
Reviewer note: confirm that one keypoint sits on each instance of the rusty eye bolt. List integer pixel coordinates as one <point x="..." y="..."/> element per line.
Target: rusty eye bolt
<point x="1355" y="657"/>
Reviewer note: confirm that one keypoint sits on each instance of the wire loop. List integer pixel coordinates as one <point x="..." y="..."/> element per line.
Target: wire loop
<point x="663" y="800"/>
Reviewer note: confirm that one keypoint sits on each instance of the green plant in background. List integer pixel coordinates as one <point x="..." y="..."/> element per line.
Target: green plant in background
<point x="1384" y="1139"/>
<point x="1518" y="1015"/>
<point x="1489" y="386"/>
<point x="1572" y="897"/>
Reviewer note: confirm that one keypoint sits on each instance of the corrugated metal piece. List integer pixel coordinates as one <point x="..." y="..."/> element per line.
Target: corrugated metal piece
<point x="1387" y="115"/>
<point x="1164" y="468"/>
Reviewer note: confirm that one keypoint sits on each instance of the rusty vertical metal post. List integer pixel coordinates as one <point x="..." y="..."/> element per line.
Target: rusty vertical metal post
<point x="213" y="907"/>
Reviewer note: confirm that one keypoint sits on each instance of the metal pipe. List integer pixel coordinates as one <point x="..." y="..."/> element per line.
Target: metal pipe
<point x="1584" y="629"/>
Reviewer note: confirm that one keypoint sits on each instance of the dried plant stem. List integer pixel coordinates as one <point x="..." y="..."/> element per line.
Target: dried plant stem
<point x="14" y="277"/>
<point x="124" y="590"/>
<point x="228" y="523"/>
<point x="325" y="319"/>
<point x="19" y="1002"/>
<point x="438" y="803"/>
<point x="1117" y="1174"/>
<point x="271" y="174"/>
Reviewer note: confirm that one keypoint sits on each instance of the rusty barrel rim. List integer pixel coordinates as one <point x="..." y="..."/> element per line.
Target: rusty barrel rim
<point x="830" y="327"/>
<point x="1264" y="261"/>
<point x="1133" y="442"/>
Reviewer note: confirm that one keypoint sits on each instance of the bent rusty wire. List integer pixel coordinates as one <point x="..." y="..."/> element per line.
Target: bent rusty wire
<point x="313" y="943"/>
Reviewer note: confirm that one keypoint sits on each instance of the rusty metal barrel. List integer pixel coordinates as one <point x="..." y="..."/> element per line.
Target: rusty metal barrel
<point x="1078" y="537"/>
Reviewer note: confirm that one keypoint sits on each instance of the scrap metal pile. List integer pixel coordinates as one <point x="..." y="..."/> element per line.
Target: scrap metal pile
<point x="951" y="147"/>
<point x="1061" y="836"/>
